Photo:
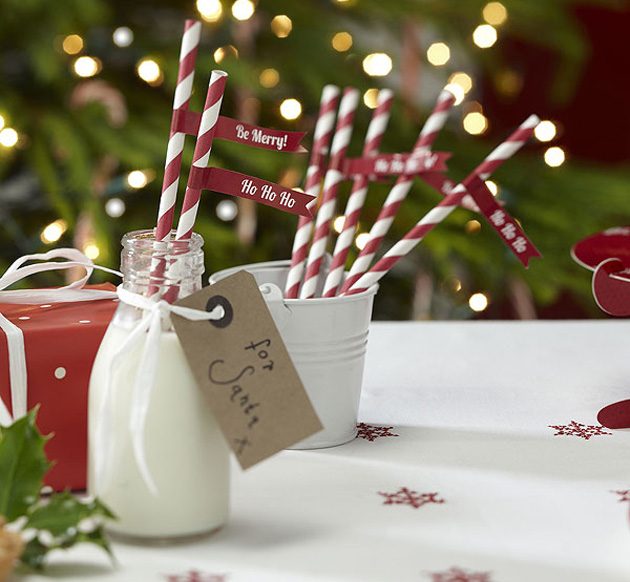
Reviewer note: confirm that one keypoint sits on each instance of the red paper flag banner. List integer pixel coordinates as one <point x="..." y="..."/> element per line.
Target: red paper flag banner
<point x="396" y="164"/>
<point x="505" y="226"/>
<point x="239" y="132"/>
<point x="243" y="186"/>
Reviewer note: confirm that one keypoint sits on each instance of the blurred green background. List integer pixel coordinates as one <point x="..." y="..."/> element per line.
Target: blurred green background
<point x="86" y="92"/>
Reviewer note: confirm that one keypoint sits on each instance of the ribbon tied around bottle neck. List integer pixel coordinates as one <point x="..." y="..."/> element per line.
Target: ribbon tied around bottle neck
<point x="148" y="328"/>
<point x="70" y="293"/>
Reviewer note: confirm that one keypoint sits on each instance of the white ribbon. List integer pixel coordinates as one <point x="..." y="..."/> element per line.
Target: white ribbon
<point x="69" y="293"/>
<point x="150" y="326"/>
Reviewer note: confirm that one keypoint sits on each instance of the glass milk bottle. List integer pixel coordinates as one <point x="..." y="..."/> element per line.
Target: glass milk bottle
<point x="185" y="452"/>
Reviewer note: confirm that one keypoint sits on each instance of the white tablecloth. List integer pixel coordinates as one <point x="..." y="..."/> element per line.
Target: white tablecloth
<point x="494" y="470"/>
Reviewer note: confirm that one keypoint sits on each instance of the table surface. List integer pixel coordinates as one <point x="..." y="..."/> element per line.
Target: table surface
<point x="480" y="460"/>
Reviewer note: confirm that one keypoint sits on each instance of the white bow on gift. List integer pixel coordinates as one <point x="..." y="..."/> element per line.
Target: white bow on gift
<point x="149" y="327"/>
<point x="69" y="293"/>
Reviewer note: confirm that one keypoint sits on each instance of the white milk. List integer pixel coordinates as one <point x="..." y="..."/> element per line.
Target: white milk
<point x="186" y="453"/>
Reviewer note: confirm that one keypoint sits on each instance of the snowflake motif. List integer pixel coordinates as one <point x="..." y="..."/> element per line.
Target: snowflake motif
<point x="579" y="430"/>
<point x="406" y="497"/>
<point x="623" y="495"/>
<point x="458" y="575"/>
<point x="371" y="433"/>
<point x="195" y="576"/>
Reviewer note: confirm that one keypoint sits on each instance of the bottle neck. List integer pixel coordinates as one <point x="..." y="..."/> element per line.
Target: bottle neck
<point x="170" y="270"/>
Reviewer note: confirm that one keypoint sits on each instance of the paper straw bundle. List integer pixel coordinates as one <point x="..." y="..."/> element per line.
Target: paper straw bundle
<point x="373" y="139"/>
<point x="321" y="140"/>
<point x="434" y="123"/>
<point x="504" y="151"/>
<point x="334" y="176"/>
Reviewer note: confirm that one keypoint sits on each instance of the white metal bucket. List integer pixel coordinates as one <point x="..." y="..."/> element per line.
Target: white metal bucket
<point x="327" y="341"/>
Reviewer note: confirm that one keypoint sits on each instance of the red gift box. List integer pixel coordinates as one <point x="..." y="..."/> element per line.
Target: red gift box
<point x="61" y="341"/>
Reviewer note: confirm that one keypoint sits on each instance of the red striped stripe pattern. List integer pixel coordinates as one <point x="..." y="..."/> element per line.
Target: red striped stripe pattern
<point x="181" y="100"/>
<point x="201" y="155"/>
<point x="175" y="147"/>
<point x="321" y="141"/>
<point x="504" y="151"/>
<point x="334" y="175"/>
<point x="372" y="143"/>
<point x="399" y="191"/>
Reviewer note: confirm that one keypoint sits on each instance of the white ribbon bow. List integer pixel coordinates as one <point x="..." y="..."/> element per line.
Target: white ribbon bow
<point x="67" y="294"/>
<point x="151" y="326"/>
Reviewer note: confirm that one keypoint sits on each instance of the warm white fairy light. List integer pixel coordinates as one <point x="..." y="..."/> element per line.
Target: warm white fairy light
<point x="495" y="13"/>
<point x="555" y="157"/>
<point x="457" y="92"/>
<point x="377" y="64"/>
<point x="361" y="240"/>
<point x="137" y="179"/>
<point x="342" y="41"/>
<point x="464" y="80"/>
<point x="227" y="210"/>
<point x="8" y="137"/>
<point x="122" y="36"/>
<point x="290" y="109"/>
<point x="545" y="131"/>
<point x="439" y="54"/>
<point x="485" y="35"/>
<point x="338" y="223"/>
<point x="478" y="302"/>
<point x="225" y="51"/>
<point x="72" y="44"/>
<point x="91" y="250"/>
<point x="149" y="71"/>
<point x="493" y="187"/>
<point x="243" y="9"/>
<point x="370" y="98"/>
<point x="86" y="66"/>
<point x="1" y="122"/>
<point x="54" y="231"/>
<point x="472" y="227"/>
<point x="281" y="25"/>
<point x="210" y="10"/>
<point x="115" y="207"/>
<point x="475" y="123"/>
<point x="269" y="78"/>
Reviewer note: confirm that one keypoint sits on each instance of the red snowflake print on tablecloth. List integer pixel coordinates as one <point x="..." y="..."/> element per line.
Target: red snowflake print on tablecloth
<point x="196" y="576"/>
<point x="579" y="430"/>
<point x="370" y="432"/>
<point x="458" y="575"/>
<point x="405" y="496"/>
<point x="624" y="495"/>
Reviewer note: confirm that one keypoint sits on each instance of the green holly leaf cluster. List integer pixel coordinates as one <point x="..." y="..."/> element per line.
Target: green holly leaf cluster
<point x="57" y="521"/>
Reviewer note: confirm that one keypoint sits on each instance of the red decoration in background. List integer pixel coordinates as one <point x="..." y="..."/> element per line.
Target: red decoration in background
<point x="615" y="415"/>
<point x="611" y="243"/>
<point x="371" y="433"/>
<point x="405" y="496"/>
<point x="456" y="574"/>
<point x="579" y="430"/>
<point x="196" y="576"/>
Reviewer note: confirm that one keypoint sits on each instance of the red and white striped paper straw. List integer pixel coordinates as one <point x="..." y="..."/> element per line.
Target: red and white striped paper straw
<point x="172" y="169"/>
<point x="436" y="215"/>
<point x="334" y="175"/>
<point x="434" y="123"/>
<point x="181" y="100"/>
<point x="321" y="140"/>
<point x="372" y="143"/>
<point x="203" y="146"/>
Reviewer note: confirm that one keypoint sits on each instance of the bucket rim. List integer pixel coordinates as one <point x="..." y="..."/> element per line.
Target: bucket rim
<point x="285" y="264"/>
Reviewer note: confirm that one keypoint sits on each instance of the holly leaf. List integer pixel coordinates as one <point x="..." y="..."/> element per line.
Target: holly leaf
<point x="23" y="465"/>
<point x="63" y="521"/>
